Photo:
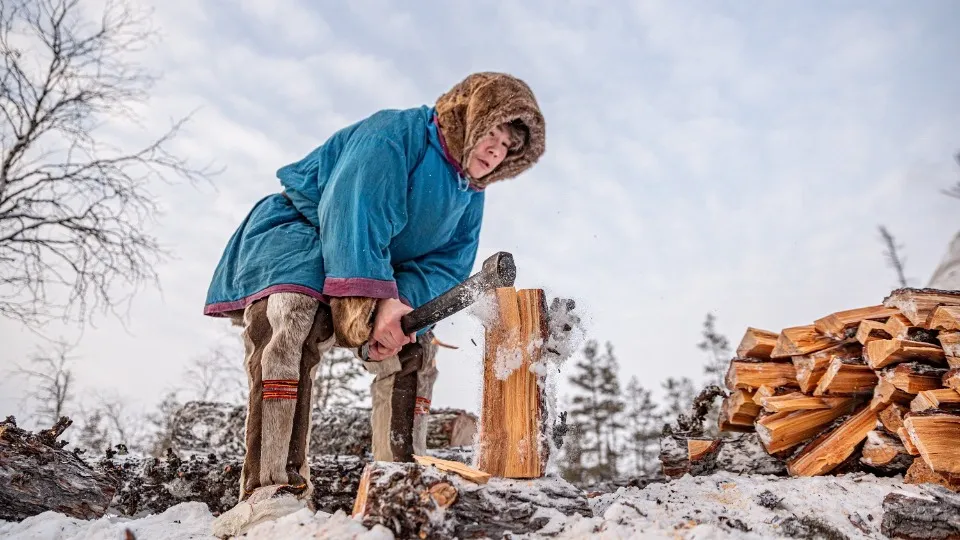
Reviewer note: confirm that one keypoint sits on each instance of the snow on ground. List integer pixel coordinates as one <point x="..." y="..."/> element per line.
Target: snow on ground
<point x="722" y="505"/>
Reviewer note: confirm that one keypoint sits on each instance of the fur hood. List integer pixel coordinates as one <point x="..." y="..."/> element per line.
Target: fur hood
<point x="481" y="102"/>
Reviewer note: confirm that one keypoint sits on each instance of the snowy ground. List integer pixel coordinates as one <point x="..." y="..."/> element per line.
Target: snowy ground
<point x="718" y="506"/>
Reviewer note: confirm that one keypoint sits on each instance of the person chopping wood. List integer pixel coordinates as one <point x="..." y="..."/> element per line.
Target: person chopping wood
<point x="381" y="218"/>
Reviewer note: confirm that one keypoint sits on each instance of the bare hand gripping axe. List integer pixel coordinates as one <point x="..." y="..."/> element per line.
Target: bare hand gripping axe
<point x="497" y="271"/>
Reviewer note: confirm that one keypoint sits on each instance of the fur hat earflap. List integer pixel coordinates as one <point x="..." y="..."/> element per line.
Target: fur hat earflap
<point x="481" y="102"/>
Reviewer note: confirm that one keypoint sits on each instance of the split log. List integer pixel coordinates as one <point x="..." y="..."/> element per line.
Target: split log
<point x="891" y="417"/>
<point x="846" y="378"/>
<point x="800" y="340"/>
<point x="842" y="325"/>
<point x="885" y="453"/>
<point x="765" y="392"/>
<point x="753" y="375"/>
<point x="886" y="393"/>
<point x="918" y="305"/>
<point x="907" y="441"/>
<point x="950" y="342"/>
<point x="921" y="473"/>
<point x="203" y="427"/>
<point x="512" y="421"/>
<point x="914" y="377"/>
<point x="738" y="409"/>
<point x="870" y="331"/>
<point x="946" y="399"/>
<point x="951" y="379"/>
<point x="900" y="327"/>
<point x="37" y="475"/>
<point x="945" y="318"/>
<point x="810" y="368"/>
<point x="465" y="471"/>
<point x="740" y="454"/>
<point x="885" y="352"/>
<point x="784" y="430"/>
<point x="422" y="502"/>
<point x="934" y="513"/>
<point x="796" y="401"/>
<point x="757" y="343"/>
<point x="832" y="448"/>
<point x="935" y="435"/>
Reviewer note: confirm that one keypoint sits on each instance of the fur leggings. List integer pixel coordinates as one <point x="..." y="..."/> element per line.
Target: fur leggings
<point x="285" y="336"/>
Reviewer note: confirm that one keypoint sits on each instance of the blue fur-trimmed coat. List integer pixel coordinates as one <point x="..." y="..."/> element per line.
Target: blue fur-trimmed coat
<point x="379" y="210"/>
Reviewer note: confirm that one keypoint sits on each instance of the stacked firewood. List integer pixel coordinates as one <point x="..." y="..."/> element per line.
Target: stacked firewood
<point x="875" y="387"/>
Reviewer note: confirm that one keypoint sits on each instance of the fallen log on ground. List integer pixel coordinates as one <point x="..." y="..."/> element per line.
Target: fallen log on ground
<point x="37" y="475"/>
<point x="934" y="514"/>
<point x="422" y="502"/>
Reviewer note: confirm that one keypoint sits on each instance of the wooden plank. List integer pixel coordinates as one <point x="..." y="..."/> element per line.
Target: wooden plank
<point x="946" y="399"/>
<point x="833" y="448"/>
<point x="757" y="343"/>
<point x="945" y="318"/>
<point x="800" y="340"/>
<point x="918" y="305"/>
<point x="846" y="379"/>
<point x="753" y="375"/>
<point x="885" y="352"/>
<point x="838" y="325"/>
<point x="935" y="435"/>
<point x="511" y="416"/>
<point x="474" y="475"/>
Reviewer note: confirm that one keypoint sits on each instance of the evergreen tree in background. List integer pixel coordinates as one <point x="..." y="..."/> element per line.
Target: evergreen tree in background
<point x="718" y="351"/>
<point x="643" y="424"/>
<point x="611" y="406"/>
<point x="679" y="394"/>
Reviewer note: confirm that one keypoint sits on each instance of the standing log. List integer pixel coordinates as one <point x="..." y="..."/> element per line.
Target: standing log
<point x="512" y="427"/>
<point x="842" y="325"/>
<point x="885" y="352"/>
<point x="932" y="514"/>
<point x="38" y="475"/>
<point x="918" y="304"/>
<point x="422" y="502"/>
<point x="698" y="456"/>
<point x="935" y="435"/>
<point x="800" y="340"/>
<point x="757" y="343"/>
<point x="832" y="448"/>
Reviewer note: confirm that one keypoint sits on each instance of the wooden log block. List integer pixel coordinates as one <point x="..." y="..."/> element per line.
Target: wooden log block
<point x="914" y="377"/>
<point x="757" y="343"/>
<point x="800" y="340"/>
<point x="698" y="456"/>
<point x="891" y="417"/>
<point x="951" y="379"/>
<point x="796" y="401"/>
<point x="841" y="325"/>
<point x="869" y="331"/>
<point x="810" y="368"/>
<point x="38" y="475"/>
<point x="900" y="327"/>
<point x="512" y="421"/>
<point x="945" y="318"/>
<point x="845" y="378"/>
<point x="950" y="342"/>
<point x="753" y="375"/>
<point x="932" y="514"/>
<point x="885" y="453"/>
<point x="834" y="447"/>
<point x="738" y="409"/>
<point x="918" y="305"/>
<point x="886" y="393"/>
<point x="935" y="435"/>
<point x="423" y="502"/>
<point x="784" y="430"/>
<point x="946" y="399"/>
<point x="921" y="473"/>
<point x="886" y="352"/>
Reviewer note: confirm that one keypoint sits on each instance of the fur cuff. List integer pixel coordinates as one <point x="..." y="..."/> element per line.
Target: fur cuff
<point x="352" y="319"/>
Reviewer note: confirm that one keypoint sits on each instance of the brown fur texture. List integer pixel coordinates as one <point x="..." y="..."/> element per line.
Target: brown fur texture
<point x="481" y="102"/>
<point x="352" y="319"/>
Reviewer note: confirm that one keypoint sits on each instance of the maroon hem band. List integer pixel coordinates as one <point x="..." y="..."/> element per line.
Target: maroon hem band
<point x="219" y="308"/>
<point x="370" y="288"/>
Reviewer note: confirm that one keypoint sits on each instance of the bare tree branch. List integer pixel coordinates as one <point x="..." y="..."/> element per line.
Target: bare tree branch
<point x="49" y="379"/>
<point x="894" y="260"/>
<point x="74" y="210"/>
<point x="955" y="190"/>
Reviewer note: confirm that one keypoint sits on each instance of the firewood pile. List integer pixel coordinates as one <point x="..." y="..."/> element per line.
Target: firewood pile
<point x="874" y="388"/>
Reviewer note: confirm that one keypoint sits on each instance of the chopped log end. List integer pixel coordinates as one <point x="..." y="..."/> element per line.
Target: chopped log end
<point x="935" y="435"/>
<point x="891" y="417"/>
<point x="945" y="318"/>
<point x="914" y="377"/>
<point x="869" y="331"/>
<point x="950" y="343"/>
<point x="951" y="379"/>
<point x="885" y="453"/>
<point x="698" y="448"/>
<point x="846" y="379"/>
<point x="921" y="473"/>
<point x="886" y="393"/>
<point x="885" y="352"/>
<point x="800" y="340"/>
<point x="757" y="343"/>
<point x="943" y="398"/>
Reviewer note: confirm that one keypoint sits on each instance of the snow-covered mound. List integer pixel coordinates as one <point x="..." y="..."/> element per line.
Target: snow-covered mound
<point x="722" y="505"/>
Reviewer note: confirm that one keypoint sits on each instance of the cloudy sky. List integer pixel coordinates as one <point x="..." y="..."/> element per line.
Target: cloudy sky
<point x="725" y="157"/>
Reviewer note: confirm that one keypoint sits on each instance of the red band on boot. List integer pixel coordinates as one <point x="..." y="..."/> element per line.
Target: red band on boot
<point x="280" y="389"/>
<point x="422" y="406"/>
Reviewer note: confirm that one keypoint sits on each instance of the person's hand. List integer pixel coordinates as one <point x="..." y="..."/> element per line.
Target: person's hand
<point x="388" y="338"/>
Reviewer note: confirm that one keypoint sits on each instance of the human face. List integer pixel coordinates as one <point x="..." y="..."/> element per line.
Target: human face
<point x="489" y="152"/>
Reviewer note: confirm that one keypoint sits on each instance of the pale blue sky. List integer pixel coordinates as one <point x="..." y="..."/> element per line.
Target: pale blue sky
<point x="733" y="157"/>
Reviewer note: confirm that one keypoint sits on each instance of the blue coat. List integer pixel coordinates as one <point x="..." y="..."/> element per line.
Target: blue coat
<point x="378" y="210"/>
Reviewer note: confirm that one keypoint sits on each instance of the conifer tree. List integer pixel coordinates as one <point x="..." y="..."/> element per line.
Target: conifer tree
<point x="643" y="424"/>
<point x="678" y="398"/>
<point x="718" y="351"/>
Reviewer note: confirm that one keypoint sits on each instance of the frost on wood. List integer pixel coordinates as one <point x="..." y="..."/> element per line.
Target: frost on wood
<point x="932" y="514"/>
<point x="742" y="454"/>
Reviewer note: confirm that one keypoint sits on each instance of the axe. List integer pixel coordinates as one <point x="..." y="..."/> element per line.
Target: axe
<point x="497" y="271"/>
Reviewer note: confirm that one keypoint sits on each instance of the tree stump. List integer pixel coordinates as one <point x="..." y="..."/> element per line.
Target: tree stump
<point x="415" y="501"/>
<point x="513" y="440"/>
<point x="37" y="475"/>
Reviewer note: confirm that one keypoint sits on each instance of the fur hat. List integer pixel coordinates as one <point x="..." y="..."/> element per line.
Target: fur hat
<point x="481" y="102"/>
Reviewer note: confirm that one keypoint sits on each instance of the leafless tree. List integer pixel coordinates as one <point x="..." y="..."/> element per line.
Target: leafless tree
<point x="74" y="208"/>
<point x="49" y="381"/>
<point x="216" y="375"/>
<point x="894" y="260"/>
<point x="109" y="422"/>
<point x="335" y="384"/>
